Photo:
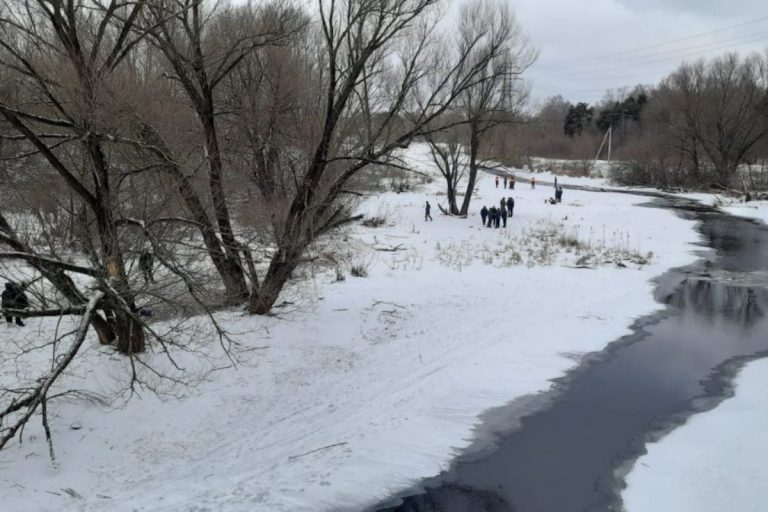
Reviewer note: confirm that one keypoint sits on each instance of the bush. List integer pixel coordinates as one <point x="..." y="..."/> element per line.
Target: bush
<point x="359" y="269"/>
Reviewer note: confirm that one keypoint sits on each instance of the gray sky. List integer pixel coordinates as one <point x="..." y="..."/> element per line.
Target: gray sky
<point x="589" y="46"/>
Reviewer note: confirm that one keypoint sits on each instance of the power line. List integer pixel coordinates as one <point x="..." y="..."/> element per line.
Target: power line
<point x="701" y="52"/>
<point x="734" y="41"/>
<point x="674" y="41"/>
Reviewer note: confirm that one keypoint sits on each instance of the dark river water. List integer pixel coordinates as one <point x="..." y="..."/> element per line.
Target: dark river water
<point x="569" y="455"/>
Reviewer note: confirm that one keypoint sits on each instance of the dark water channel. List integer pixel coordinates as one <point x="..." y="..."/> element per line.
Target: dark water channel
<point x="568" y="455"/>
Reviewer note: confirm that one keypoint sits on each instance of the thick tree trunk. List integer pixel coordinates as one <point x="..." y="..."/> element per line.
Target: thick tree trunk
<point x="453" y="207"/>
<point x="280" y="269"/>
<point x="233" y="272"/>
<point x="129" y="331"/>
<point x="474" y="149"/>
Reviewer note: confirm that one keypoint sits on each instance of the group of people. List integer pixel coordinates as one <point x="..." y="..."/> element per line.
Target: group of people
<point x="507" y="181"/>
<point x="14" y="298"/>
<point x="497" y="217"/>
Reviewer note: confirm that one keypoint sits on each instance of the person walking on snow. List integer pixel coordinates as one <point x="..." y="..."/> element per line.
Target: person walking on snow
<point x="484" y="214"/>
<point x="146" y="265"/>
<point x="13" y="297"/>
<point x="533" y="182"/>
<point x="497" y="182"/>
<point x="427" y="215"/>
<point x="504" y="216"/>
<point x="511" y="206"/>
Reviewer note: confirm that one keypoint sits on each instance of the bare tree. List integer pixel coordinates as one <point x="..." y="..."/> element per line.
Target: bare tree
<point x="63" y="60"/>
<point x="379" y="93"/>
<point x="447" y="156"/>
<point x="203" y="47"/>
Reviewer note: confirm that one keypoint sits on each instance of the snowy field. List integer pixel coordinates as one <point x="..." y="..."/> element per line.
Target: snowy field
<point x="715" y="462"/>
<point x="358" y="388"/>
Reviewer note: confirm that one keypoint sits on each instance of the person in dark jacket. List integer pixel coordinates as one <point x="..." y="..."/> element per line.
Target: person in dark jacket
<point x="503" y="203"/>
<point x="13" y="297"/>
<point x="511" y="206"/>
<point x="559" y="194"/>
<point x="504" y="216"/>
<point x="146" y="265"/>
<point x="492" y="213"/>
<point x="512" y="183"/>
<point x="484" y="214"/>
<point x="427" y="209"/>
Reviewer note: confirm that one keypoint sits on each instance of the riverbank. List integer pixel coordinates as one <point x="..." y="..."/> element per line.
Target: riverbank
<point x="362" y="387"/>
<point x="715" y="462"/>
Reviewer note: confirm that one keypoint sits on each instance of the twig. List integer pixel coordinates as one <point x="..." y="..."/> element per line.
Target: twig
<point x="292" y="457"/>
<point x="377" y="302"/>
<point x="396" y="248"/>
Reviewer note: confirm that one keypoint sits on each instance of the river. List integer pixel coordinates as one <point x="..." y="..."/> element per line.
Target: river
<point x="571" y="452"/>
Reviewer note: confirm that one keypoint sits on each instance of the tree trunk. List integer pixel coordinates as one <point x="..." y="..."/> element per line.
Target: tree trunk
<point x="280" y="269"/>
<point x="234" y="274"/>
<point x="453" y="208"/>
<point x="129" y="332"/>
<point x="474" y="148"/>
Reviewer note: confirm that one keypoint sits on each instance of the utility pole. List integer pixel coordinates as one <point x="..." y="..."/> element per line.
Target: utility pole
<point x="610" y="138"/>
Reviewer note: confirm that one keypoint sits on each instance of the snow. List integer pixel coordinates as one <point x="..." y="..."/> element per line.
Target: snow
<point x="361" y="387"/>
<point x="715" y="462"/>
<point x="753" y="210"/>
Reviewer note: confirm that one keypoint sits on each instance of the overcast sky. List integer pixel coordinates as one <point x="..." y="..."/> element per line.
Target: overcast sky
<point x="588" y="46"/>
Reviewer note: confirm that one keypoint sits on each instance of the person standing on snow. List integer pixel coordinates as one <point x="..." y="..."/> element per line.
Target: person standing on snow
<point x="505" y="182"/>
<point x="512" y="182"/>
<point x="503" y="203"/>
<point x="427" y="215"/>
<point x="484" y="214"/>
<point x="504" y="216"/>
<point x="511" y="206"/>
<point x="533" y="182"/>
<point x="13" y="297"/>
<point x="492" y="213"/>
<point x="497" y="182"/>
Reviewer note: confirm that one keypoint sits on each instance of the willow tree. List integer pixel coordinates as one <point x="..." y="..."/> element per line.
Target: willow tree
<point x="386" y="74"/>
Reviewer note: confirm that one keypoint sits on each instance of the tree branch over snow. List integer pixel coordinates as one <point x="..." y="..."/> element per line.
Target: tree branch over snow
<point x="34" y="258"/>
<point x="31" y="399"/>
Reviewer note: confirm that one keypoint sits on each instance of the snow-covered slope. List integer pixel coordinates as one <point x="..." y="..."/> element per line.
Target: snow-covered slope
<point x="361" y="387"/>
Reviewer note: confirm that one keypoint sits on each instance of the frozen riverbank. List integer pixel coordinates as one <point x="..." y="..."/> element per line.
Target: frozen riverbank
<point x="368" y="384"/>
<point x="715" y="462"/>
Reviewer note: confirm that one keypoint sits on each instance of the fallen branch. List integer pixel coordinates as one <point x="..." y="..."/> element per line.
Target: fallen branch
<point x="377" y="302"/>
<point x="398" y="247"/>
<point x="37" y="397"/>
<point x="33" y="258"/>
<point x="26" y="313"/>
<point x="292" y="457"/>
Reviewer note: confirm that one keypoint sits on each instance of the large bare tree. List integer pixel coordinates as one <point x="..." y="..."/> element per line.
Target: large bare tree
<point x="60" y="68"/>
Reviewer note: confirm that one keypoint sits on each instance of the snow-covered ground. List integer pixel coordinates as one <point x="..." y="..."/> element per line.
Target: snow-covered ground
<point x="753" y="210"/>
<point x="366" y="385"/>
<point x="715" y="462"/>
